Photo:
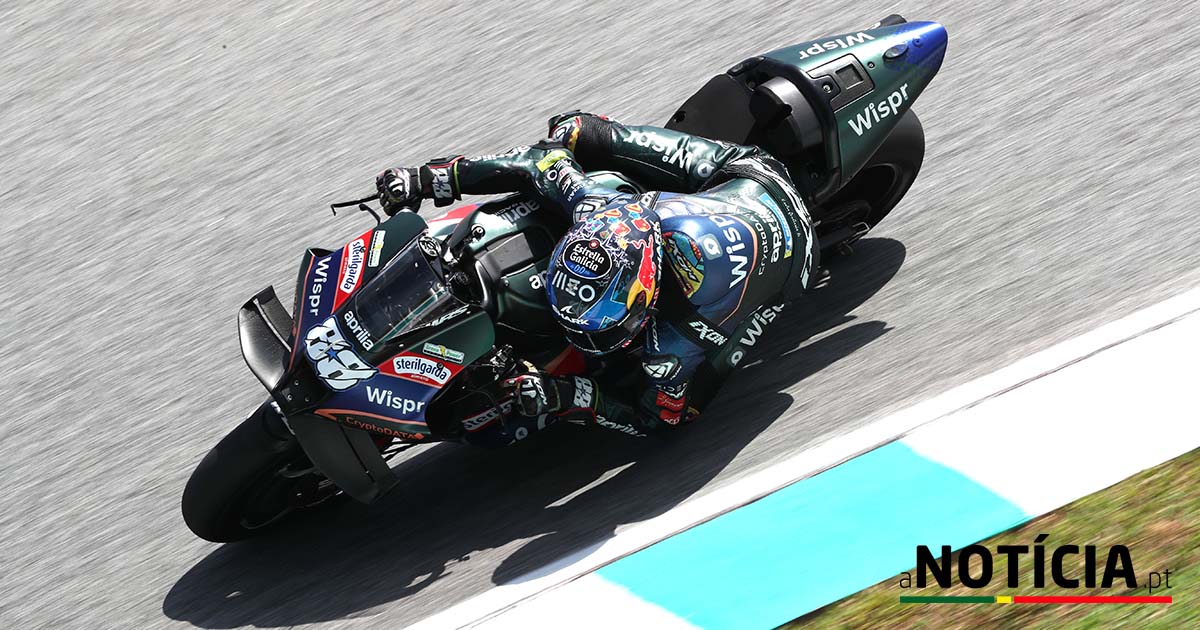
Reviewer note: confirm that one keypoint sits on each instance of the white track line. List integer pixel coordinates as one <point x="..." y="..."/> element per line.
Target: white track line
<point x="811" y="461"/>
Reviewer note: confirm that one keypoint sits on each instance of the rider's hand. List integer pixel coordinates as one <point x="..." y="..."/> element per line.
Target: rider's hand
<point x="537" y="393"/>
<point x="570" y="398"/>
<point x="399" y="189"/>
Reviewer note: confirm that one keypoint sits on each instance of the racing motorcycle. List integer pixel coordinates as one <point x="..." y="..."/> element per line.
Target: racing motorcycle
<point x="402" y="336"/>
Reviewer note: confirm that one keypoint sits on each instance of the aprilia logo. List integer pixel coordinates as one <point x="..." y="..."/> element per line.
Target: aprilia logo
<point x="623" y="428"/>
<point x="513" y="213"/>
<point x="357" y="329"/>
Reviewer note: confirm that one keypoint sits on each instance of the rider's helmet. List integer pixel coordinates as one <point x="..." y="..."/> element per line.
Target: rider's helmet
<point x="603" y="277"/>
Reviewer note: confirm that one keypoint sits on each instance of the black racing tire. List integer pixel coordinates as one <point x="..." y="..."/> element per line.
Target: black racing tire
<point x="884" y="180"/>
<point x="231" y="478"/>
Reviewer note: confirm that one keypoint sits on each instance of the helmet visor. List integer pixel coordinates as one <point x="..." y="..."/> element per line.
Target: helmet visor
<point x="616" y="336"/>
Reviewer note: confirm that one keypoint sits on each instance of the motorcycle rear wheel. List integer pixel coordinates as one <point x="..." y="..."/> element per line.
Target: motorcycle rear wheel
<point x="877" y="187"/>
<point x="253" y="478"/>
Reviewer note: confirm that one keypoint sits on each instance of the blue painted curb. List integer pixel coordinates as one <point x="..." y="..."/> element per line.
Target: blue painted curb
<point x="814" y="542"/>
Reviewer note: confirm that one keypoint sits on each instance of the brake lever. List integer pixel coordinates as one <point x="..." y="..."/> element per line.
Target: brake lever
<point x="362" y="206"/>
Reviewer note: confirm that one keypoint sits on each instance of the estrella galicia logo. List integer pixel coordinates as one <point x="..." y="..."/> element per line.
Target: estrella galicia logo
<point x="587" y="259"/>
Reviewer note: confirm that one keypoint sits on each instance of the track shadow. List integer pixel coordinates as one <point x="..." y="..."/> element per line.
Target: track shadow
<point x="460" y="510"/>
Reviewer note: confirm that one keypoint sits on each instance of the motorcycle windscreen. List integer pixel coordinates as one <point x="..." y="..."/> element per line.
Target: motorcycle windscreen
<point x="406" y="296"/>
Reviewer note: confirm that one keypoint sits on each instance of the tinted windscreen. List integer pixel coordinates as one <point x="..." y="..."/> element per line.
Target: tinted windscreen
<point x="406" y="295"/>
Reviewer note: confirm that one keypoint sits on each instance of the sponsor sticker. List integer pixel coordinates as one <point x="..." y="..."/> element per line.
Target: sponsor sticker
<point x="378" y="424"/>
<point x="661" y="367"/>
<point x="376" y="248"/>
<point x="435" y="350"/>
<point x="585" y="292"/>
<point x="352" y="265"/>
<point x="875" y="112"/>
<point x="320" y="276"/>
<point x="421" y="370"/>
<point x="360" y="333"/>
<point x="587" y="259"/>
<point x="449" y="316"/>
<point x="685" y="260"/>
<point x="834" y="44"/>
<point x="707" y="333"/>
<point x="511" y="214"/>
<point x="665" y="400"/>
<point x="623" y="428"/>
<point x="481" y="420"/>
<point x="383" y="397"/>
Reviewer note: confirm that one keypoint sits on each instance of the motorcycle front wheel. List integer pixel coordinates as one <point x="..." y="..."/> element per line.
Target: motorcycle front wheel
<point x="253" y="478"/>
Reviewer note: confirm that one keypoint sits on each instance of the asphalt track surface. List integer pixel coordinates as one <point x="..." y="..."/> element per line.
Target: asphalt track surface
<point x="160" y="162"/>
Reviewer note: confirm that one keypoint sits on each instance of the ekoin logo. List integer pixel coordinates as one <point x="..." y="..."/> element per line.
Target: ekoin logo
<point x="421" y="369"/>
<point x="356" y="253"/>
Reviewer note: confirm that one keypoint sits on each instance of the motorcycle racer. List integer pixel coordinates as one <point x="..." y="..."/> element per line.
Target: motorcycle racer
<point x="725" y="219"/>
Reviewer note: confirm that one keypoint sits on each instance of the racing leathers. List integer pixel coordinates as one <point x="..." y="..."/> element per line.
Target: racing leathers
<point x="737" y="238"/>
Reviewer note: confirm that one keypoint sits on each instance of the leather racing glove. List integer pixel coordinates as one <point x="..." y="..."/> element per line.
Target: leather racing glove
<point x="571" y="398"/>
<point x="399" y="189"/>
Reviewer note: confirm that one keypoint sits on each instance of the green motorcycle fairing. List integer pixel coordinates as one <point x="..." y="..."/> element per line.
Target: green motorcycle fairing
<point x="868" y="79"/>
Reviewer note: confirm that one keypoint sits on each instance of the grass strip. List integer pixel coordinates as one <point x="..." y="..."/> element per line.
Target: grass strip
<point x="1155" y="513"/>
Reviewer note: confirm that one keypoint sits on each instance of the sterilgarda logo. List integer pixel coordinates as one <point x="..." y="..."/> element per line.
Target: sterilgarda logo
<point x="421" y="370"/>
<point x="356" y="252"/>
<point x="835" y="44"/>
<point x="975" y="568"/>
